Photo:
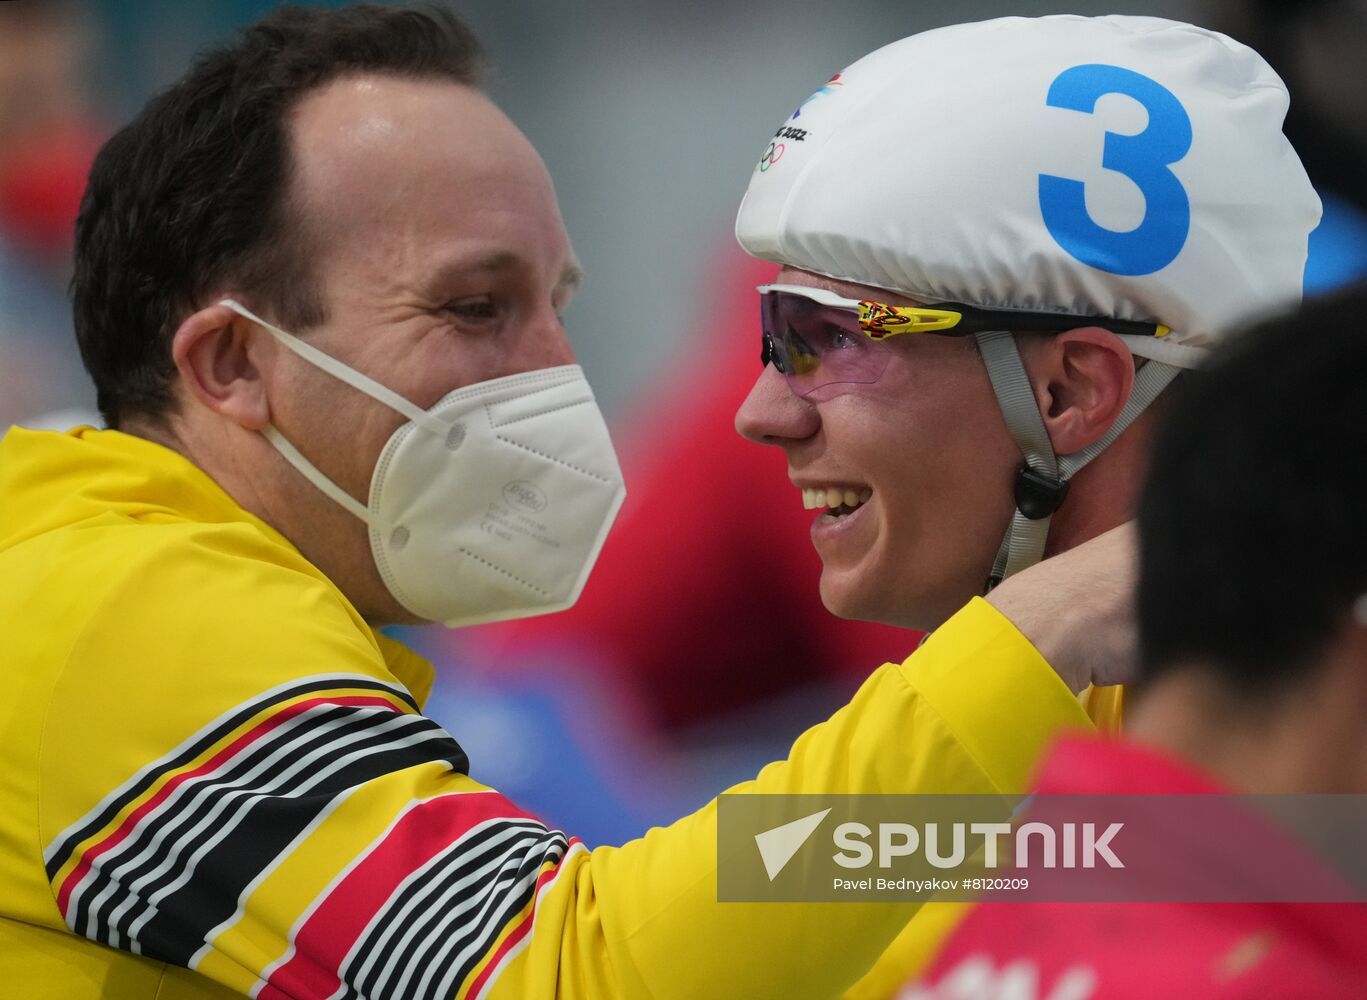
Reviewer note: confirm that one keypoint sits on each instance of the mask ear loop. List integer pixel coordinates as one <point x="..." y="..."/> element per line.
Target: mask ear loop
<point x="1042" y="481"/>
<point x="353" y="378"/>
<point x="315" y="475"/>
<point x="343" y="372"/>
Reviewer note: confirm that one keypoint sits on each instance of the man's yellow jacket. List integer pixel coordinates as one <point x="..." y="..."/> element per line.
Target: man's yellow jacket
<point x="216" y="778"/>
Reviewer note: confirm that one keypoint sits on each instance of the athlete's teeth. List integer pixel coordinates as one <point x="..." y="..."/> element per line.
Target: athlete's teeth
<point x="814" y="498"/>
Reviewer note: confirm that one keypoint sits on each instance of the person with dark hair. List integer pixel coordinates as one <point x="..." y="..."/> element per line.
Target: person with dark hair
<point x="239" y="187"/>
<point x="318" y="287"/>
<point x="1252" y="601"/>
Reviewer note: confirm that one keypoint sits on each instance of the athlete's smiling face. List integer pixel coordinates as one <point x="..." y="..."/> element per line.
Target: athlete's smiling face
<point x="926" y="444"/>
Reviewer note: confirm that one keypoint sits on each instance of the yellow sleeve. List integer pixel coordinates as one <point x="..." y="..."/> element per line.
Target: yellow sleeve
<point x="968" y="712"/>
<point x="269" y="808"/>
<point x="1005" y="723"/>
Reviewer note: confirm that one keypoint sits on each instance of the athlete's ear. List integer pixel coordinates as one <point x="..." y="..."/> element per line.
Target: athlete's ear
<point x="1082" y="380"/>
<point x="218" y="358"/>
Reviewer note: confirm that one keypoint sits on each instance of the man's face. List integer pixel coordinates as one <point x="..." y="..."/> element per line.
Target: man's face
<point x="929" y="442"/>
<point x="442" y="260"/>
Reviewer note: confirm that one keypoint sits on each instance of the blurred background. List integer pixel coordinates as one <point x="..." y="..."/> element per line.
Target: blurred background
<point x="700" y="648"/>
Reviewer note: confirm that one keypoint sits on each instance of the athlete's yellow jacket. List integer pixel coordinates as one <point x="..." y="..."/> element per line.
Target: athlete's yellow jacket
<point x="209" y="762"/>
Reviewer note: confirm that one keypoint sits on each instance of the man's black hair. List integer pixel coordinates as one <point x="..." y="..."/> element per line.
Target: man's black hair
<point x="194" y="194"/>
<point x="1253" y="522"/>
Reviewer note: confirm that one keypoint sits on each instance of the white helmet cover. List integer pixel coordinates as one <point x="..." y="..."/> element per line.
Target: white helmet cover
<point x="1130" y="167"/>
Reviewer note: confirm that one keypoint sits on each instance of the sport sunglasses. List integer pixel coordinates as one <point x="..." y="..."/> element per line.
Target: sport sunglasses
<point x="817" y="338"/>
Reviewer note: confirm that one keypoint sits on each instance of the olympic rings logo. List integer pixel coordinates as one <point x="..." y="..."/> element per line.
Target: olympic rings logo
<point x="771" y="155"/>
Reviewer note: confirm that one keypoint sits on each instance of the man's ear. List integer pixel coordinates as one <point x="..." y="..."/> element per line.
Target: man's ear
<point x="217" y="358"/>
<point x="1082" y="380"/>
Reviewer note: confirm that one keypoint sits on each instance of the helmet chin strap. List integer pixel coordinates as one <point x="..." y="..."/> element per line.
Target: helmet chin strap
<point x="1042" y="480"/>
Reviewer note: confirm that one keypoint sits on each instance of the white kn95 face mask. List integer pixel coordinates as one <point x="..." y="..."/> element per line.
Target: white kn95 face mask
<point x="492" y="504"/>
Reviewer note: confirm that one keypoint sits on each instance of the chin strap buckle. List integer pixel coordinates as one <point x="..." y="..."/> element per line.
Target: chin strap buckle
<point x="1039" y="494"/>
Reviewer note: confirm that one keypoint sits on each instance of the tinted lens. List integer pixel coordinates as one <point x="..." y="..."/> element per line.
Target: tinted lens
<point x="815" y="345"/>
